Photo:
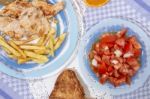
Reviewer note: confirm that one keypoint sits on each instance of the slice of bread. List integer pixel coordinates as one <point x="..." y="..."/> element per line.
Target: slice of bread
<point x="67" y="87"/>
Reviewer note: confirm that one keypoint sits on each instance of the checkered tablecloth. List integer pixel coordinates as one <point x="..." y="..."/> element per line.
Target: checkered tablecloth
<point x="115" y="8"/>
<point x="19" y="87"/>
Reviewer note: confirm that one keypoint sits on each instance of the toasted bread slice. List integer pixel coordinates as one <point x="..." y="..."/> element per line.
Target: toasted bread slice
<point x="67" y="87"/>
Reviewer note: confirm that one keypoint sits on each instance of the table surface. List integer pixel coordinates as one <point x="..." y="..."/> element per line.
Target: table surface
<point x="138" y="10"/>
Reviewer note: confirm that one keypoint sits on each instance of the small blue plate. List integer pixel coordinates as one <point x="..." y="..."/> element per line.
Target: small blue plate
<point x="114" y="25"/>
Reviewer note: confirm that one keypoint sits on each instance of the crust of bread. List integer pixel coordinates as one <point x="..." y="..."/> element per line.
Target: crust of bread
<point x="67" y="86"/>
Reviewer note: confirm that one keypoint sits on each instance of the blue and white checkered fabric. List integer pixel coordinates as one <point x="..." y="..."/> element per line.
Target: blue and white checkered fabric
<point x="20" y="87"/>
<point x="142" y="93"/>
<point x="120" y="8"/>
<point x="115" y="8"/>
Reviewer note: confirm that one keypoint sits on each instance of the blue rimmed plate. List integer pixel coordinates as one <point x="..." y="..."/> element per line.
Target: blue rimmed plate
<point x="111" y="25"/>
<point x="67" y="24"/>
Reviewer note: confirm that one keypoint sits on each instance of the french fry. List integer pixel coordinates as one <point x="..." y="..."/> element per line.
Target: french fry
<point x="60" y="41"/>
<point x="21" y="61"/>
<point x="36" y="56"/>
<point x="50" y="45"/>
<point x="12" y="56"/>
<point x="51" y="53"/>
<point x="11" y="49"/>
<point x="51" y="32"/>
<point x="1" y="37"/>
<point x="41" y="41"/>
<point x="55" y="41"/>
<point x="6" y="50"/>
<point x="41" y="51"/>
<point x="62" y="36"/>
<point x="51" y="42"/>
<point x="17" y="48"/>
<point x="38" y="61"/>
<point x="32" y="47"/>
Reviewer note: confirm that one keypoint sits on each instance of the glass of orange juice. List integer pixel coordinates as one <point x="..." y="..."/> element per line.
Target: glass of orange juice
<point x="96" y="3"/>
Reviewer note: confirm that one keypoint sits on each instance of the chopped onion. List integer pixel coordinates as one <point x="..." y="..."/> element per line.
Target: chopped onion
<point x="118" y="53"/>
<point x="127" y="55"/>
<point x="94" y="62"/>
<point x="114" y="62"/>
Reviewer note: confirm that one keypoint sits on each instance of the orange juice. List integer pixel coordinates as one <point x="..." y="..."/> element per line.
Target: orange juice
<point x="96" y="3"/>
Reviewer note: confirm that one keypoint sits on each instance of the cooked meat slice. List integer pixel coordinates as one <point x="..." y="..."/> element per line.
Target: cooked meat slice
<point x="23" y="19"/>
<point x="34" y="22"/>
<point x="8" y="25"/>
<point x="14" y="9"/>
<point x="48" y="9"/>
<point x="5" y="21"/>
<point x="67" y="87"/>
<point x="30" y="22"/>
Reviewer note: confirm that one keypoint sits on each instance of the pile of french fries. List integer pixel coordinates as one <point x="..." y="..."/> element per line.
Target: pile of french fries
<point x="24" y="51"/>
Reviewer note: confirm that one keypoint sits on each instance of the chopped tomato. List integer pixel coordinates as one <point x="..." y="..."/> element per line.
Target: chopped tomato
<point x="117" y="47"/>
<point x="116" y="81"/>
<point x="136" y="68"/>
<point x="109" y="39"/>
<point x="97" y="47"/>
<point x="112" y="80"/>
<point x="124" y="70"/>
<point x="109" y="45"/>
<point x="128" y="47"/>
<point x="94" y="69"/>
<point x="112" y="56"/>
<point x="120" y="42"/>
<point x="97" y="58"/>
<point x="103" y="79"/>
<point x="134" y="42"/>
<point x="131" y="72"/>
<point x="137" y="45"/>
<point x="120" y="81"/>
<point x="120" y="60"/>
<point x="107" y="52"/>
<point x="116" y="73"/>
<point x="94" y="52"/>
<point x="97" y="50"/>
<point x="122" y="33"/>
<point x="106" y="59"/>
<point x="102" y="68"/>
<point x="128" y="80"/>
<point x="117" y="66"/>
<point x="110" y="69"/>
<point x="100" y="52"/>
<point x="137" y="52"/>
<point x="132" y="62"/>
<point x="91" y="55"/>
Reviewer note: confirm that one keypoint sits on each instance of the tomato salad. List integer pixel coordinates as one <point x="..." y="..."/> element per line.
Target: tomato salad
<point x="115" y="57"/>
